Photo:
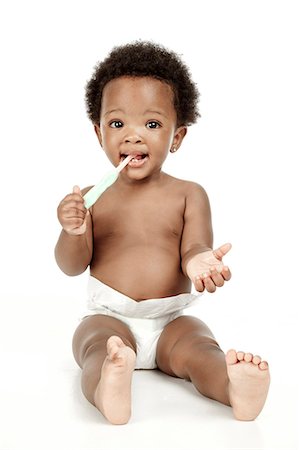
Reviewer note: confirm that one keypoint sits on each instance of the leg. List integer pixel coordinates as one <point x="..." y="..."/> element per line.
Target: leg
<point x="187" y="349"/>
<point x="105" y="349"/>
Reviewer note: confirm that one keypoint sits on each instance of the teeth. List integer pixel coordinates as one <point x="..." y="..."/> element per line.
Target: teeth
<point x="135" y="159"/>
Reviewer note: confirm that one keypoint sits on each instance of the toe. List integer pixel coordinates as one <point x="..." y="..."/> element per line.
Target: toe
<point x="113" y="345"/>
<point x="240" y="356"/>
<point x="116" y="340"/>
<point x="256" y="360"/>
<point x="248" y="357"/>
<point x="231" y="357"/>
<point x="263" y="365"/>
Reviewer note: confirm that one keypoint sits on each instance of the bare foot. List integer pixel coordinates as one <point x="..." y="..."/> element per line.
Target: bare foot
<point x="113" y="393"/>
<point x="249" y="383"/>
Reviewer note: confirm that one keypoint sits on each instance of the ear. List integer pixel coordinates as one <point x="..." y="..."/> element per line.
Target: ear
<point x="179" y="135"/>
<point x="98" y="133"/>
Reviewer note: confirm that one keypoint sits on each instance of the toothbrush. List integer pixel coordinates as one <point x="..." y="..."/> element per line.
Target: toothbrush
<point x="108" y="179"/>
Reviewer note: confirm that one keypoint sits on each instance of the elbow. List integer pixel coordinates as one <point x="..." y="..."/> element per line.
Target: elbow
<point x="71" y="272"/>
<point x="68" y="267"/>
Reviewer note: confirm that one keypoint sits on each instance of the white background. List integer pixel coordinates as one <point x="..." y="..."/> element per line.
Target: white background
<point x="244" y="58"/>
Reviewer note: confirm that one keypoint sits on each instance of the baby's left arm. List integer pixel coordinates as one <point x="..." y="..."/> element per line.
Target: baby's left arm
<point x="200" y="262"/>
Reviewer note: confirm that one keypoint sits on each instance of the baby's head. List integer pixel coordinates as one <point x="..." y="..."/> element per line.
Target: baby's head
<point x="145" y="59"/>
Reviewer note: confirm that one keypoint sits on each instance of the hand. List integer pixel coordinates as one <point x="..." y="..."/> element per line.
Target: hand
<point x="72" y="213"/>
<point x="206" y="269"/>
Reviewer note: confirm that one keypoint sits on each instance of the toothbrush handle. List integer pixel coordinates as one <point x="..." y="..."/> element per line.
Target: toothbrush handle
<point x="123" y="164"/>
<point x="95" y="192"/>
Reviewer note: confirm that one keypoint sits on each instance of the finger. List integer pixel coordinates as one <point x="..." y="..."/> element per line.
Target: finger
<point x="222" y="250"/>
<point x="74" y="213"/>
<point x="209" y="283"/>
<point x="77" y="226"/>
<point x="76" y="190"/>
<point x="226" y="273"/>
<point x="198" y="284"/>
<point x="217" y="277"/>
<point x="73" y="203"/>
<point x="73" y="223"/>
<point x="76" y="231"/>
<point x="72" y="198"/>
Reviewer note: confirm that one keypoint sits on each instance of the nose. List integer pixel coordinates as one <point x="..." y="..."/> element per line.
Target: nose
<point x="133" y="137"/>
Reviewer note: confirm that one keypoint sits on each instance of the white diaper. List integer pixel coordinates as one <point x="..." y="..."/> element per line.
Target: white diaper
<point x="146" y="319"/>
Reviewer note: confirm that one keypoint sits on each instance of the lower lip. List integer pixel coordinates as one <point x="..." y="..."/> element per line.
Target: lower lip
<point x="137" y="163"/>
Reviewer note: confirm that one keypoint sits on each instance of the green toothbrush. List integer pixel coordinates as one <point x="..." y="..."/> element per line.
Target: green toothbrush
<point x="94" y="193"/>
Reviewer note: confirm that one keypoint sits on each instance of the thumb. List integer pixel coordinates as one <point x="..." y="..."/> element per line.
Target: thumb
<point x="76" y="190"/>
<point x="222" y="250"/>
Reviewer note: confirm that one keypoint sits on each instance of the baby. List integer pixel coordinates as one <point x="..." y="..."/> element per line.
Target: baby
<point x="146" y="240"/>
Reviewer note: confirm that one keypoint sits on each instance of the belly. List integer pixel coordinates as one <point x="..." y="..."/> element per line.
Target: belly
<point x="141" y="272"/>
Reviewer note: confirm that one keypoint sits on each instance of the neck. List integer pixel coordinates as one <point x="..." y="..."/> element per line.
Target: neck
<point x="154" y="178"/>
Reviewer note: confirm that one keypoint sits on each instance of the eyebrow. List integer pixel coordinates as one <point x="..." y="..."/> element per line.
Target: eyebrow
<point x="113" y="110"/>
<point x="154" y="111"/>
<point x="145" y="112"/>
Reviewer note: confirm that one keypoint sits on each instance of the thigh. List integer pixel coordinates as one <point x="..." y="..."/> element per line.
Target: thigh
<point x="176" y="342"/>
<point x="94" y="329"/>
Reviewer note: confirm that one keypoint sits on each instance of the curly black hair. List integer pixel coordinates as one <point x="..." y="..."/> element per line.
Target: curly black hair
<point x="145" y="59"/>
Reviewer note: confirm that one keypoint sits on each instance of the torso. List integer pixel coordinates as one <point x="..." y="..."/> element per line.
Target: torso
<point x="137" y="236"/>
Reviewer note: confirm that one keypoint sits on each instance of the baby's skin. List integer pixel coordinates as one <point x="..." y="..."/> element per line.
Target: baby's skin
<point x="113" y="393"/>
<point x="247" y="389"/>
<point x="150" y="236"/>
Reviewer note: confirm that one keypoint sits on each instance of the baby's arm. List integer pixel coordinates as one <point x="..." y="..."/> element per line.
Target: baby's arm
<point x="200" y="262"/>
<point x="73" y="250"/>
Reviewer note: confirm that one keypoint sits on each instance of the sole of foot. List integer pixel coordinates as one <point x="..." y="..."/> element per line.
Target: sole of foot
<point x="249" y="381"/>
<point x="113" y="393"/>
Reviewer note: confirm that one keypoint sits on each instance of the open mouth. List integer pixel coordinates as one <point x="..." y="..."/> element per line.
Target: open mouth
<point x="138" y="158"/>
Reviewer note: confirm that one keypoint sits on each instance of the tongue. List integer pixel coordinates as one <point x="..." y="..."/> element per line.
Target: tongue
<point x="138" y="157"/>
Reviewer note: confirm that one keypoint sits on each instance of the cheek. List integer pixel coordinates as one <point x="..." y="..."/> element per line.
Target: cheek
<point x="108" y="138"/>
<point x="162" y="139"/>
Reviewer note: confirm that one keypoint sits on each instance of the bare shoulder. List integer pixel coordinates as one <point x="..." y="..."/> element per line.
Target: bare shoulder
<point x="198" y="232"/>
<point x="194" y="193"/>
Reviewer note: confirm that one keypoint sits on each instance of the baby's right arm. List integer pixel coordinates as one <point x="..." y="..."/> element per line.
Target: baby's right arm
<point x="73" y="250"/>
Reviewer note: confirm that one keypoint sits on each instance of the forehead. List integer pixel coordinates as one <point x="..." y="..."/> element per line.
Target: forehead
<point x="144" y="92"/>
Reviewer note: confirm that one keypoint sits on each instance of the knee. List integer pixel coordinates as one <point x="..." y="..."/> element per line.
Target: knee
<point x="190" y="350"/>
<point x="94" y="331"/>
<point x="100" y="345"/>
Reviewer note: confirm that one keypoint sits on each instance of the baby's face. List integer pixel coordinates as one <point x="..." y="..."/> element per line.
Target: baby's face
<point x="138" y="118"/>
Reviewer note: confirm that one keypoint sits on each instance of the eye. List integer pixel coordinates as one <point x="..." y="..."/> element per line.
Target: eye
<point x="153" y="124"/>
<point x="116" y="124"/>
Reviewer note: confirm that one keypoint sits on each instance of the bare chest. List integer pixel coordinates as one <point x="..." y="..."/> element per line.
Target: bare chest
<point x="139" y="218"/>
